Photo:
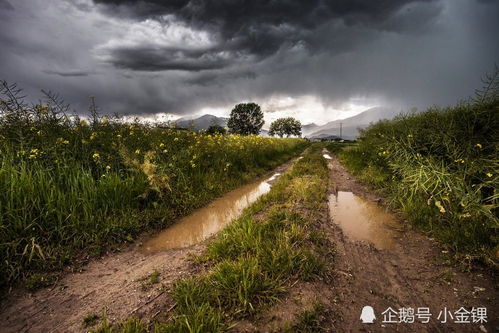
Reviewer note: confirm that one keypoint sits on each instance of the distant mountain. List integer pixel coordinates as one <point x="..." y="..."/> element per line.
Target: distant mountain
<point x="308" y="128"/>
<point x="351" y="125"/>
<point x="205" y="121"/>
<point x="349" y="128"/>
<point x="201" y="123"/>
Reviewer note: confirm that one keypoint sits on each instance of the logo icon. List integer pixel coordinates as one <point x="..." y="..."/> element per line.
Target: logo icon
<point x="367" y="316"/>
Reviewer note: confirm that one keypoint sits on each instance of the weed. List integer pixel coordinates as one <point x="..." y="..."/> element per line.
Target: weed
<point x="76" y="186"/>
<point x="148" y="280"/>
<point x="440" y="167"/>
<point x="310" y="320"/>
<point x="90" y="319"/>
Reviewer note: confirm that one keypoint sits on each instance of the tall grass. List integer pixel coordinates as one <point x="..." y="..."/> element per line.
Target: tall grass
<point x="441" y="167"/>
<point x="68" y="184"/>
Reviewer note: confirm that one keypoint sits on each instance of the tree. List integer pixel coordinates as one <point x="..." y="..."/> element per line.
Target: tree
<point x="245" y="119"/>
<point x="285" y="126"/>
<point x="216" y="129"/>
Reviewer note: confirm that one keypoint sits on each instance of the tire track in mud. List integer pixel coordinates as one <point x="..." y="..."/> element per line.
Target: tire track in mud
<point x="412" y="274"/>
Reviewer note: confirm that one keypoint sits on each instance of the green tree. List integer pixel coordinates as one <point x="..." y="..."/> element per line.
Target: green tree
<point x="216" y="129"/>
<point x="246" y="119"/>
<point x="285" y="126"/>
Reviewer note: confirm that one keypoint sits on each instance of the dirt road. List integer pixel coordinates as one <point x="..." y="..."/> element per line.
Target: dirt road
<point x="413" y="274"/>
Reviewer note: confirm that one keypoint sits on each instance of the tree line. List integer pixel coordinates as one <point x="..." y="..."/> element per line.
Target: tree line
<point x="247" y="119"/>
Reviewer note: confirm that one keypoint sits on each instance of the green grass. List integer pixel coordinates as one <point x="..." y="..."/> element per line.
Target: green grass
<point x="73" y="185"/>
<point x="253" y="262"/>
<point x="310" y="320"/>
<point x="277" y="240"/>
<point x="90" y="319"/>
<point x="441" y="169"/>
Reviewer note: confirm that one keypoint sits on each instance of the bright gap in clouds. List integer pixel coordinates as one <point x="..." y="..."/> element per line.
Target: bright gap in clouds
<point x="307" y="109"/>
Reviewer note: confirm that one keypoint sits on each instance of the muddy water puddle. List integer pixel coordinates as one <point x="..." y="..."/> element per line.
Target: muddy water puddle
<point x="210" y="219"/>
<point x="363" y="220"/>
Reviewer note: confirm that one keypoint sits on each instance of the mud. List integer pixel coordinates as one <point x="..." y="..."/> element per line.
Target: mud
<point x="414" y="272"/>
<point x="362" y="220"/>
<point x="207" y="221"/>
<point x="117" y="282"/>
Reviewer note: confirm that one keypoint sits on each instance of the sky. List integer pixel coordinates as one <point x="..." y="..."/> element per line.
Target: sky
<point x="316" y="60"/>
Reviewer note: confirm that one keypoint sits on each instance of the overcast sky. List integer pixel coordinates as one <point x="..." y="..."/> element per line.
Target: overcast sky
<point x="317" y="60"/>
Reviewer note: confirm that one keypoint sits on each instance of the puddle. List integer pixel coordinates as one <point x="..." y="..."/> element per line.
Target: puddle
<point x="362" y="220"/>
<point x="208" y="220"/>
<point x="327" y="157"/>
<point x="274" y="177"/>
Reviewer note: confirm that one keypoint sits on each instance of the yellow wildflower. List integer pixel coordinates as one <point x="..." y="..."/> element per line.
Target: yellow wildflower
<point x="489" y="174"/>
<point x="440" y="206"/>
<point x="137" y="151"/>
<point x="96" y="156"/>
<point x="479" y="145"/>
<point x="108" y="167"/>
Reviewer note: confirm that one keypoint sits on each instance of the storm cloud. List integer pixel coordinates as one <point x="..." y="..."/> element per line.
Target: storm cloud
<point x="181" y="56"/>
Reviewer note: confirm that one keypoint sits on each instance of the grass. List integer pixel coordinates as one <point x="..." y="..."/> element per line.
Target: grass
<point x="254" y="261"/>
<point x="146" y="282"/>
<point x="90" y="319"/>
<point x="310" y="320"/>
<point x="75" y="185"/>
<point x="441" y="169"/>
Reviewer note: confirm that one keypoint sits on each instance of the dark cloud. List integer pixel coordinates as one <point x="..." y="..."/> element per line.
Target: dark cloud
<point x="153" y="59"/>
<point x="179" y="56"/>
<point x="250" y="28"/>
<point x="67" y="73"/>
<point x="5" y="5"/>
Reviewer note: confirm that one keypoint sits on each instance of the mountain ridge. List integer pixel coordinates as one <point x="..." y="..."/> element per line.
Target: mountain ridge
<point x="349" y="125"/>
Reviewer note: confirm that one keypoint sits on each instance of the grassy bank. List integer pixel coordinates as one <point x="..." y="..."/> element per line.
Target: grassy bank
<point x="254" y="261"/>
<point x="69" y="184"/>
<point x="441" y="168"/>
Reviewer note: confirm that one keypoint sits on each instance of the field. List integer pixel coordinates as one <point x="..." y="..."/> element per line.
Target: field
<point x="70" y="184"/>
<point x="276" y="243"/>
<point x="74" y="191"/>
<point x="441" y="169"/>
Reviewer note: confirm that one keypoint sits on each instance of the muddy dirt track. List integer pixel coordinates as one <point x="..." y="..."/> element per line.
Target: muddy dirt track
<point x="412" y="273"/>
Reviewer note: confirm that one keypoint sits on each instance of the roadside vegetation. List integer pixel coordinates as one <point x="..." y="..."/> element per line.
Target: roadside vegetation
<point x="256" y="260"/>
<point x="285" y="127"/>
<point x="69" y="184"/>
<point x="441" y="168"/>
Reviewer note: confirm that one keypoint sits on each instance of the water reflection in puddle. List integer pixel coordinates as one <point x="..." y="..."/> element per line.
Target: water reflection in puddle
<point x="362" y="220"/>
<point x="327" y="157"/>
<point x="208" y="220"/>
